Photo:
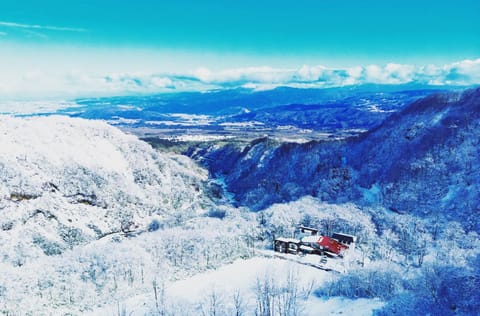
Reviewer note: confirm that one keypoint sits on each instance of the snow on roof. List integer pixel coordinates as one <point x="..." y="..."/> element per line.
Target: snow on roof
<point x="288" y="239"/>
<point x="342" y="236"/>
<point x="346" y="235"/>
<point x="307" y="228"/>
<point x="310" y="238"/>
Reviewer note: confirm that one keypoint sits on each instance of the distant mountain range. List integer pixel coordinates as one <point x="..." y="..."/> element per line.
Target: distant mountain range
<point x="347" y="107"/>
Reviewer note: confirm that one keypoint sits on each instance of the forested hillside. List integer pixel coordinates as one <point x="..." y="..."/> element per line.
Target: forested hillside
<point x="422" y="160"/>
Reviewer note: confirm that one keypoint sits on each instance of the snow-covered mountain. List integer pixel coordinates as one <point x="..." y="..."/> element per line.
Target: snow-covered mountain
<point x="91" y="215"/>
<point x="65" y="182"/>
<point x="421" y="160"/>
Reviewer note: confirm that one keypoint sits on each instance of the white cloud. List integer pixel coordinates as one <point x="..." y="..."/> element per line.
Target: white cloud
<point x="241" y="76"/>
<point x="306" y="73"/>
<point x="388" y="74"/>
<point x="40" y="27"/>
<point x="203" y="74"/>
<point x="162" y="82"/>
<point x="464" y="72"/>
<point x="45" y="82"/>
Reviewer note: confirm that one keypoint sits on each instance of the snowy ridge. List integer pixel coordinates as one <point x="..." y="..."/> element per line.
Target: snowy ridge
<point x="422" y="160"/>
<point x="83" y="180"/>
<point x="91" y="216"/>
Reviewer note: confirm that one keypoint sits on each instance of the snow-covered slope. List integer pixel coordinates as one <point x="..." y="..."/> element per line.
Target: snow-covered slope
<point x="423" y="160"/>
<point x="90" y="216"/>
<point x="65" y="182"/>
<point x="238" y="289"/>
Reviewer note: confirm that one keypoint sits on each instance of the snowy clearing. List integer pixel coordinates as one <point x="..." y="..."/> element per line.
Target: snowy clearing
<point x="189" y="296"/>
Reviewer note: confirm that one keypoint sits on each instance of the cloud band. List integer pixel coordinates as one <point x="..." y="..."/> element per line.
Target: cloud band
<point x="462" y="73"/>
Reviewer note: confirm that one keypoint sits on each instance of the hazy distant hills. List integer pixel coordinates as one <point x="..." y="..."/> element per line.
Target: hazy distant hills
<point x="356" y="107"/>
<point x="233" y="101"/>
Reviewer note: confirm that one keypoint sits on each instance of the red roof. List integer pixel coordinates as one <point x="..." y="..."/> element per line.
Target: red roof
<point x="331" y="245"/>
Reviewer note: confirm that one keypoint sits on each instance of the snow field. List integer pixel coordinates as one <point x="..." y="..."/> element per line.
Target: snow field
<point x="194" y="294"/>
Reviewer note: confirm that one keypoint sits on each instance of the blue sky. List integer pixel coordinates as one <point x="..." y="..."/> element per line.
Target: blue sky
<point x="101" y="37"/>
